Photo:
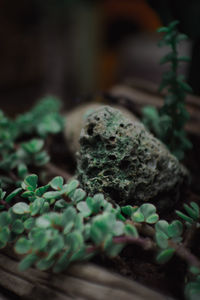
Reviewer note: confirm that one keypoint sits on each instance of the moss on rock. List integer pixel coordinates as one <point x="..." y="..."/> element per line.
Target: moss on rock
<point x="121" y="159"/>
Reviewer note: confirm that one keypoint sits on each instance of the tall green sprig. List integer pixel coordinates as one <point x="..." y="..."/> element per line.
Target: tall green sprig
<point x="168" y="124"/>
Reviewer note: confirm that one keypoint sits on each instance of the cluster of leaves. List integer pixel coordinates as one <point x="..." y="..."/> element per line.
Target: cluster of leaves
<point x="22" y="140"/>
<point x="168" y="123"/>
<point x="57" y="224"/>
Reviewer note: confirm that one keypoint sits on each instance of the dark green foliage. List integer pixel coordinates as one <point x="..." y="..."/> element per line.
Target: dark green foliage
<point x="168" y="123"/>
<point x="22" y="140"/>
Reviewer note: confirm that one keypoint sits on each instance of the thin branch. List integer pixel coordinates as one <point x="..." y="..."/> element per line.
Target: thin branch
<point x="185" y="253"/>
<point x="145" y="243"/>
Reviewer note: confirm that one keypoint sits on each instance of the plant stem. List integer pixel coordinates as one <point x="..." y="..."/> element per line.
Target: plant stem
<point x="145" y="243"/>
<point x="184" y="253"/>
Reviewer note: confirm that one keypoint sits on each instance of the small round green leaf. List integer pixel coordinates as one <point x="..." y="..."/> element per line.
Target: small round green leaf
<point x="147" y="209"/>
<point x="21" y="208"/>
<point x="138" y="217"/>
<point x="18" y="227"/>
<point x="130" y="230"/>
<point x="28" y="261"/>
<point x="83" y="208"/>
<point x="152" y="219"/>
<point x="165" y="255"/>
<point x="23" y="246"/>
<point x="175" y="229"/>
<point x="57" y="183"/>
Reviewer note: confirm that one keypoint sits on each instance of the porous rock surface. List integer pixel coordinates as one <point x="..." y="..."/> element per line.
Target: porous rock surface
<point x="75" y="120"/>
<point x="121" y="159"/>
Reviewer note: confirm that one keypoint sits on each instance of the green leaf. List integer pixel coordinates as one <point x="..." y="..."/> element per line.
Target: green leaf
<point x="162" y="29"/>
<point x="33" y="146"/>
<point x="152" y="219"/>
<point x="194" y="270"/>
<point x="71" y="186"/>
<point x="29" y="223"/>
<point x="83" y="208"/>
<point x="128" y="210"/>
<point x="52" y="195"/>
<point x="191" y="212"/>
<point x="138" y="217"/>
<point x="40" y="240"/>
<point x="162" y="226"/>
<point x="102" y="225"/>
<point x="43" y="221"/>
<point x="165" y="255"/>
<point x="161" y="240"/>
<point x="75" y="241"/>
<point x="41" y="190"/>
<point x="5" y="219"/>
<point x="68" y="227"/>
<point x="4" y="236"/>
<point x="18" y="227"/>
<point x="62" y="262"/>
<point x="55" y="246"/>
<point x="31" y="181"/>
<point x="195" y="206"/>
<point x="23" y="246"/>
<point x="118" y="228"/>
<point x="173" y="24"/>
<point x="130" y="230"/>
<point x="28" y="261"/>
<point x="78" y="224"/>
<point x="147" y="209"/>
<point x="185" y="86"/>
<point x="68" y="215"/>
<point x="114" y="250"/>
<point x="95" y="203"/>
<point x="99" y="198"/>
<point x="21" y="208"/>
<point x="184" y="217"/>
<point x="28" y="195"/>
<point x="60" y="204"/>
<point x="78" y="195"/>
<point x="192" y="290"/>
<point x="36" y="206"/>
<point x="13" y="194"/>
<point x="45" y="208"/>
<point x="57" y="183"/>
<point x="45" y="264"/>
<point x="184" y="58"/>
<point x="79" y="255"/>
<point x="41" y="158"/>
<point x="175" y="229"/>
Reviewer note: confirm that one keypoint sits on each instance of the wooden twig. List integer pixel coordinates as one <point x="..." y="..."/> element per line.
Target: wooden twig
<point x="82" y="281"/>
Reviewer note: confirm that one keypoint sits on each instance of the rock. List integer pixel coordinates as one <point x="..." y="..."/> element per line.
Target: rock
<point x="75" y="121"/>
<point x="121" y="159"/>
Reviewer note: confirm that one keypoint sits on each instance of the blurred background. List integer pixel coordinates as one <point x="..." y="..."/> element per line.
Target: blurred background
<point x="72" y="48"/>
